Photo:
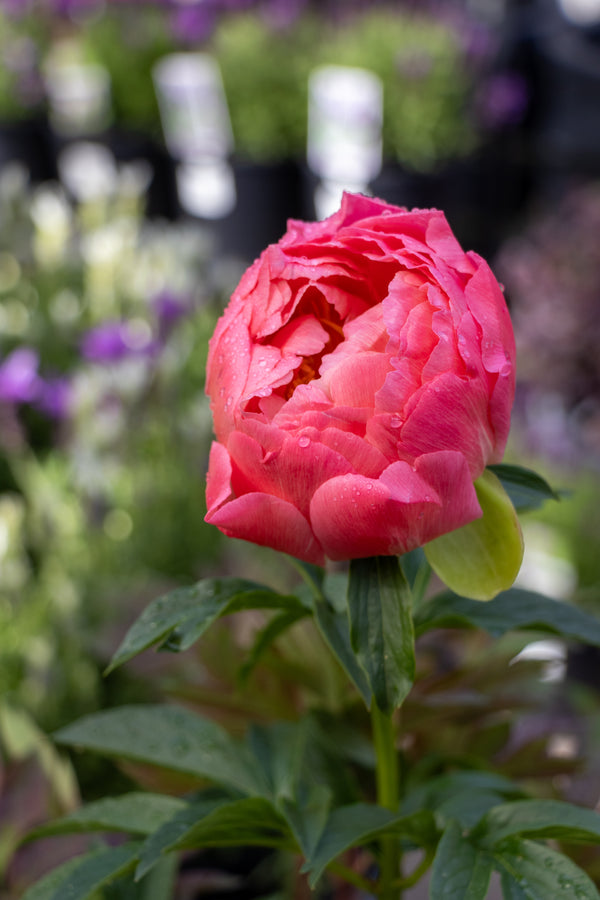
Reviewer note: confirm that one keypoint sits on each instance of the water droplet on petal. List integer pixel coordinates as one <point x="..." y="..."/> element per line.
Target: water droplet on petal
<point x="304" y="441"/>
<point x="395" y="422"/>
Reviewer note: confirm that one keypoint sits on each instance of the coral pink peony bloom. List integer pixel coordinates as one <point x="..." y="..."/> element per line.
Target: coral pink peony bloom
<point x="361" y="379"/>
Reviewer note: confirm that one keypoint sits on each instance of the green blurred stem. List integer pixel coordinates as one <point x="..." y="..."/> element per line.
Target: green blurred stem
<point x="384" y="739"/>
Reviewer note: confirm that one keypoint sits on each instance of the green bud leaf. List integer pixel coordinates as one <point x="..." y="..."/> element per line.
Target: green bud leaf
<point x="482" y="558"/>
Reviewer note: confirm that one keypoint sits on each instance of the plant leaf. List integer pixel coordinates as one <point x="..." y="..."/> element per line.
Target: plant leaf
<point x="266" y="637"/>
<point x="134" y="813"/>
<point x="539" y="819"/>
<point x="177" y="619"/>
<point x="249" y="821"/>
<point x="307" y="816"/>
<point x="171" y="737"/>
<point x="80" y="879"/>
<point x="166" y="836"/>
<point x="360" y="823"/>
<point x="532" y="871"/>
<point x="526" y="488"/>
<point x="512" y="609"/>
<point x="483" y="557"/>
<point x="460" y="870"/>
<point x="335" y="630"/>
<point x="279" y="749"/>
<point x="381" y="627"/>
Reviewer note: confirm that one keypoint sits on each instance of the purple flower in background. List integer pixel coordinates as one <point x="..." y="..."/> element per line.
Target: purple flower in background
<point x="54" y="397"/>
<point x="281" y="14"/>
<point x="19" y="379"/>
<point x="169" y="309"/>
<point x="503" y="100"/>
<point x="116" y="340"/>
<point x="193" y="23"/>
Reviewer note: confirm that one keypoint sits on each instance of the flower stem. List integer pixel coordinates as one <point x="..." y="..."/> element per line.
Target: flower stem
<point x="387" y="796"/>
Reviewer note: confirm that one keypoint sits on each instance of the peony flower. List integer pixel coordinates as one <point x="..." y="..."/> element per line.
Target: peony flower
<point x="361" y="379"/>
<point x="19" y="380"/>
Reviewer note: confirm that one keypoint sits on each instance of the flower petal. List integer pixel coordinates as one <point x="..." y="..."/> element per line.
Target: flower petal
<point x="270" y="522"/>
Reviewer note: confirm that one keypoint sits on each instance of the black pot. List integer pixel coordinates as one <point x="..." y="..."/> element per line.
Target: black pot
<point x="28" y="141"/>
<point x="267" y="195"/>
<point x="482" y="195"/>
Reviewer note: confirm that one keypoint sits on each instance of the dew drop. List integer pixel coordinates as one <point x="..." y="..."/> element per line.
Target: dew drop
<point x="304" y="441"/>
<point x="369" y="486"/>
<point x="395" y="422"/>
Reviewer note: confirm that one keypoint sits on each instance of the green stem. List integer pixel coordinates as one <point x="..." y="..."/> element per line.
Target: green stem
<point x="387" y="796"/>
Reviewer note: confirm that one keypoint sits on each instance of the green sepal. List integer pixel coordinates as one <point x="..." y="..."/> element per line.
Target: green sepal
<point x="483" y="557"/>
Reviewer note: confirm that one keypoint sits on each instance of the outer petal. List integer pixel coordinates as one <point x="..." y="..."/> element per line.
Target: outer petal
<point x="218" y="480"/>
<point x="450" y="414"/>
<point x="293" y="473"/>
<point x="353" y="516"/>
<point x="270" y="522"/>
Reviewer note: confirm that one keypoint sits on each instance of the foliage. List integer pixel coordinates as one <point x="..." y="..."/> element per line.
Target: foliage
<point x="76" y="525"/>
<point x="426" y="82"/>
<point x="265" y="76"/>
<point x="298" y="787"/>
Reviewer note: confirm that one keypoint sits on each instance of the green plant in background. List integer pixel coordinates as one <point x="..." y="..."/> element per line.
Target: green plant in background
<point x="265" y="75"/>
<point x="23" y="39"/>
<point x="426" y="82"/>
<point x="129" y="43"/>
<point x="102" y="459"/>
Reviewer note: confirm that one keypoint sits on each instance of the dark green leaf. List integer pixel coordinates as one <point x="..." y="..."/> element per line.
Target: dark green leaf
<point x="171" y="737"/>
<point x="166" y="836"/>
<point x="180" y="617"/>
<point x="252" y="821"/>
<point x="160" y="883"/>
<point x="381" y="627"/>
<point x="460" y="871"/>
<point x="360" y="823"/>
<point x="511" y="890"/>
<point x="526" y="489"/>
<point x="267" y="636"/>
<point x="467" y="807"/>
<point x="335" y="629"/>
<point x="460" y="795"/>
<point x="539" y="819"/>
<point x="86" y="875"/>
<point x="511" y="609"/>
<point x="135" y="813"/>
<point x="46" y="887"/>
<point x="313" y="575"/>
<point x="532" y="871"/>
<point x="279" y="750"/>
<point x="307" y="816"/>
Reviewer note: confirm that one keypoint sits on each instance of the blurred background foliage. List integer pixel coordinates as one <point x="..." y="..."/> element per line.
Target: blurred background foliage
<point x="109" y="290"/>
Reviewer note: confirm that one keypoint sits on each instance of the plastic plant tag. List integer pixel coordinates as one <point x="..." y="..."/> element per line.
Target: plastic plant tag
<point x="484" y="557"/>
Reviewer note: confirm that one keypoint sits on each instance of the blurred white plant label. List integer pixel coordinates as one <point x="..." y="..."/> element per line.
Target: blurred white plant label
<point x="345" y="115"/>
<point x="193" y="106"/>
